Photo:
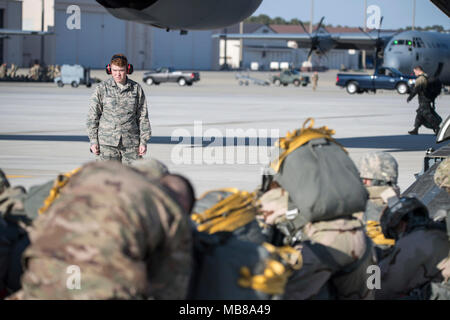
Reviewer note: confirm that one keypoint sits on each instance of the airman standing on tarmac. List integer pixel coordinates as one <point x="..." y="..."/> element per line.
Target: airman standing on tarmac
<point x="117" y="124"/>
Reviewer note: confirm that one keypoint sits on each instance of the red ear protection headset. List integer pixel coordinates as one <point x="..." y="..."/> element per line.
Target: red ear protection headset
<point x="129" y="67"/>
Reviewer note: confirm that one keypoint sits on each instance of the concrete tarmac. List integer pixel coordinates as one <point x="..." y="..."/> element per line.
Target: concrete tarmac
<point x="42" y="127"/>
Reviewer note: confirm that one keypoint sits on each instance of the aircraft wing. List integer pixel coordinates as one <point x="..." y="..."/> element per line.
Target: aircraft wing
<point x="358" y="41"/>
<point x="443" y="5"/>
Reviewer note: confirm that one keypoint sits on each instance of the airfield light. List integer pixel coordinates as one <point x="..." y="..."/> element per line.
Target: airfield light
<point x="409" y="43"/>
<point x="395" y="42"/>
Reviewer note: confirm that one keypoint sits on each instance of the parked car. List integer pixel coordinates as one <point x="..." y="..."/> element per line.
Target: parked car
<point x="290" y="76"/>
<point x="383" y="78"/>
<point x="164" y="74"/>
<point x="74" y="75"/>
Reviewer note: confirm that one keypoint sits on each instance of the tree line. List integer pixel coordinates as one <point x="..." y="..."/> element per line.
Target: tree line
<point x="265" y="19"/>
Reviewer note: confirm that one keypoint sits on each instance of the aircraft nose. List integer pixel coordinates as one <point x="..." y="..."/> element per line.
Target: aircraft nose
<point x="398" y="61"/>
<point x="392" y="62"/>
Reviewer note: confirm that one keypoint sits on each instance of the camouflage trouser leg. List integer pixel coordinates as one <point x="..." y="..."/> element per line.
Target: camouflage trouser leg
<point x="129" y="154"/>
<point x="109" y="153"/>
<point x="120" y="153"/>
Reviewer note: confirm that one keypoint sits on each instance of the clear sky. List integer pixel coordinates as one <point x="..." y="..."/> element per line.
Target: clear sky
<point x="397" y="13"/>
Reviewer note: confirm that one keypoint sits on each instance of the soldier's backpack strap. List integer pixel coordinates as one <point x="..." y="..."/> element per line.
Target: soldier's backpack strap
<point x="59" y="183"/>
<point x="374" y="231"/>
<point x="278" y="267"/>
<point x="323" y="253"/>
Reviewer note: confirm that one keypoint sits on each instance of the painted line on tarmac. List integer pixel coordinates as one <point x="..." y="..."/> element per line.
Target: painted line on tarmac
<point x="13" y="176"/>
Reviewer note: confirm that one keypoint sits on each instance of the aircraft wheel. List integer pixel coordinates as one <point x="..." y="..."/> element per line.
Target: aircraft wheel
<point x="352" y="87"/>
<point x="402" y="88"/>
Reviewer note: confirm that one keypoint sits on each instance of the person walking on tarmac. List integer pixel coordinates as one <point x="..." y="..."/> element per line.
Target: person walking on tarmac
<point x="117" y="124"/>
<point x="425" y="113"/>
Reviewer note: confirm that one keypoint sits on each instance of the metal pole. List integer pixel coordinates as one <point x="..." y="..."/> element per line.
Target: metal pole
<point x="42" y="37"/>
<point x="241" y="45"/>
<point x="225" y="65"/>
<point x="364" y="28"/>
<point x="312" y="17"/>
<point x="414" y="14"/>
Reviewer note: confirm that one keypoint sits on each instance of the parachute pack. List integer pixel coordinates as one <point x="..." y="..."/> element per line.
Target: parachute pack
<point x="322" y="181"/>
<point x="434" y="88"/>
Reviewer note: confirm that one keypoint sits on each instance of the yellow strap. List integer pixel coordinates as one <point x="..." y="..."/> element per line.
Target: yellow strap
<point x="373" y="230"/>
<point x="228" y="214"/>
<point x="297" y="138"/>
<point x="287" y="253"/>
<point x="276" y="273"/>
<point x="272" y="281"/>
<point x="232" y="202"/>
<point x="58" y="184"/>
<point x="231" y="222"/>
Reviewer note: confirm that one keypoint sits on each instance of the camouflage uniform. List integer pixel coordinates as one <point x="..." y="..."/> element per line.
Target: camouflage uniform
<point x="441" y="291"/>
<point x="316" y="175"/>
<point x="3" y="71"/>
<point x="13" y="235"/>
<point x="151" y="168"/>
<point x="315" y="79"/>
<point x="13" y="71"/>
<point x="118" y="120"/>
<point x="382" y="170"/>
<point x="413" y="262"/>
<point x="332" y="247"/>
<point x="34" y="72"/>
<point x="426" y="116"/>
<point x="129" y="237"/>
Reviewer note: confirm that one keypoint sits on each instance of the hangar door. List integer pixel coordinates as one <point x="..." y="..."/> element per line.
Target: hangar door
<point x="100" y="36"/>
<point x="192" y="51"/>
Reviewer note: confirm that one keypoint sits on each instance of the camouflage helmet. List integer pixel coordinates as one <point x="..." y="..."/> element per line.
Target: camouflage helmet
<point x="405" y="207"/>
<point x="442" y="174"/>
<point x="4" y="183"/>
<point x="151" y="168"/>
<point x="380" y="166"/>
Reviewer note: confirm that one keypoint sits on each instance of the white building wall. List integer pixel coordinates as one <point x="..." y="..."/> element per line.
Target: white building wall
<point x="196" y="50"/>
<point x="12" y="19"/>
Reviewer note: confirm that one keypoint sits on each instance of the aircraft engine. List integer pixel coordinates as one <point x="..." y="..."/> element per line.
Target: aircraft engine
<point x="182" y="14"/>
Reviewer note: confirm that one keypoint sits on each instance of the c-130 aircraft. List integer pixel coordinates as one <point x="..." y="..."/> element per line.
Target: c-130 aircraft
<point x="401" y="51"/>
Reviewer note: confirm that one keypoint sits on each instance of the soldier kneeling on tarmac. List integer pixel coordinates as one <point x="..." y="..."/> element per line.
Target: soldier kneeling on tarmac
<point x="379" y="172"/>
<point x="126" y="233"/>
<point x="421" y="244"/>
<point x="312" y="189"/>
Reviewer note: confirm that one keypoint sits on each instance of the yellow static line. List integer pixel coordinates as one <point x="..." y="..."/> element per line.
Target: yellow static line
<point x="12" y="176"/>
